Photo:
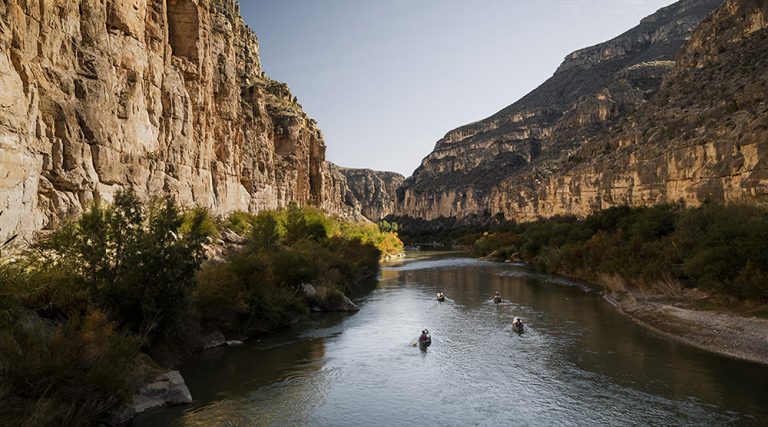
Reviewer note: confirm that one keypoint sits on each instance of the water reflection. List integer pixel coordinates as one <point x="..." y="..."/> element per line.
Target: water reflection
<point x="578" y="362"/>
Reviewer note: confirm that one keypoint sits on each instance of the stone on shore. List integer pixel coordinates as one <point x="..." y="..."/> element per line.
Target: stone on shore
<point x="322" y="299"/>
<point x="168" y="389"/>
<point x="212" y="340"/>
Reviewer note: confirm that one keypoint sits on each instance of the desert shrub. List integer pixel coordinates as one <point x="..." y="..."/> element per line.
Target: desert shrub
<point x="242" y="295"/>
<point x="507" y="242"/>
<point x="305" y="224"/>
<point x="387" y="242"/>
<point x="259" y="287"/>
<point x="136" y="263"/>
<point x="77" y="304"/>
<point x="723" y="247"/>
<point x="388" y="227"/>
<point x="267" y="230"/>
<point x="719" y="248"/>
<point x="332" y="298"/>
<point x="240" y="222"/>
<point x="70" y="374"/>
<point x="198" y="220"/>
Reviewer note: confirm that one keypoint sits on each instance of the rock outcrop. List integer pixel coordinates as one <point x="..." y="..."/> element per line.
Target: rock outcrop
<point x="322" y="299"/>
<point x="165" y="96"/>
<point x="702" y="138"/>
<point x="374" y="191"/>
<point x="638" y="120"/>
<point x="166" y="390"/>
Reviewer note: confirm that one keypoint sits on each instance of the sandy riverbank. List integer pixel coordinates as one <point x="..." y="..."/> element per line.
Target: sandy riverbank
<point x="728" y="334"/>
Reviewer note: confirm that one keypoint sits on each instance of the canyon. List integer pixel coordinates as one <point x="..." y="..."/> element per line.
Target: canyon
<point x="671" y="111"/>
<point x="169" y="97"/>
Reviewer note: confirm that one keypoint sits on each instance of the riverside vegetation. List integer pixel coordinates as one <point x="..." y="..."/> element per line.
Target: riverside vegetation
<point x="81" y="308"/>
<point x="722" y="250"/>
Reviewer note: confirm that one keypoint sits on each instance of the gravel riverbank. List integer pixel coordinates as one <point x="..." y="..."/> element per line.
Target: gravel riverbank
<point x="728" y="334"/>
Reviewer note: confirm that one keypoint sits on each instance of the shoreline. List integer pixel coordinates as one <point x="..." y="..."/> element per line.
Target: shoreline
<point x="720" y="332"/>
<point x="726" y="334"/>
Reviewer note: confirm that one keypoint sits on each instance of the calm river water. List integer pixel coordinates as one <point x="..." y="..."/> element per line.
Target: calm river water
<point x="578" y="363"/>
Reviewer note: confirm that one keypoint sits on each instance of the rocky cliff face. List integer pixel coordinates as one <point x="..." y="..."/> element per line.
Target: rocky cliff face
<point x="165" y="96"/>
<point x="374" y="191"/>
<point x="606" y="128"/>
<point x="702" y="137"/>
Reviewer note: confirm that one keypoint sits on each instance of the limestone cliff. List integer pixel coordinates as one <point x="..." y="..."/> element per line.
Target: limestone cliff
<point x="165" y="96"/>
<point x="567" y="146"/>
<point x="702" y="137"/>
<point x="374" y="191"/>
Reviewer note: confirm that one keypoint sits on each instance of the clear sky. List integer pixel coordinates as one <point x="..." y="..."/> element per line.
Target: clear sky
<point x="386" y="79"/>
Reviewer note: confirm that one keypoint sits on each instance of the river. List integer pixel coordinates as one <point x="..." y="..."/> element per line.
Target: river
<point x="579" y="362"/>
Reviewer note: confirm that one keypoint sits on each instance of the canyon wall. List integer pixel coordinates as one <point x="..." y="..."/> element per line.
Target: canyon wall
<point x="375" y="191"/>
<point x="702" y="138"/>
<point x="672" y="110"/>
<point x="164" y="96"/>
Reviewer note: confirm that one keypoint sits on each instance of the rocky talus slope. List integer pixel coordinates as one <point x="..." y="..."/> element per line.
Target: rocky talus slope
<point x="165" y="96"/>
<point x="672" y="109"/>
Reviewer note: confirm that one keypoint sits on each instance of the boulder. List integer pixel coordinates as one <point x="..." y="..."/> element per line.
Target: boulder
<point x="308" y="290"/>
<point x="229" y="236"/>
<point x="168" y="389"/>
<point x="322" y="299"/>
<point x="212" y="340"/>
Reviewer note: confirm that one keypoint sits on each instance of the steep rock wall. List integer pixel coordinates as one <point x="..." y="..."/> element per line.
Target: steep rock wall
<point x="375" y="191"/>
<point x="703" y="137"/>
<point x="513" y="164"/>
<point x="165" y="96"/>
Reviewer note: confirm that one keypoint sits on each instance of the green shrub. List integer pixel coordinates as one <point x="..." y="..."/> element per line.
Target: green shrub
<point x="243" y="295"/>
<point x="137" y="264"/>
<point x="259" y="287"/>
<point x="719" y="248"/>
<point x="305" y="224"/>
<point x="267" y="230"/>
<point x="68" y="375"/>
<point x="75" y="303"/>
<point x="240" y="222"/>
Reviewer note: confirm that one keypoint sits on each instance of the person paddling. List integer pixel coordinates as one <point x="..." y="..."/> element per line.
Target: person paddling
<point x="425" y="340"/>
<point x="517" y="325"/>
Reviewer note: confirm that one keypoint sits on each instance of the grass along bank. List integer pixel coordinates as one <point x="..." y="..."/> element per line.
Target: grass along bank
<point x="81" y="309"/>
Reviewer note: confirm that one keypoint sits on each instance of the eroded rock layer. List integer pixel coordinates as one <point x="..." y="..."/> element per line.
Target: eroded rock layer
<point x="165" y="96"/>
<point x="638" y="120"/>
<point x="374" y="191"/>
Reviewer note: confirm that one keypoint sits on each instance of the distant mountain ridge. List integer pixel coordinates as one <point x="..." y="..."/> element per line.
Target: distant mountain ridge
<point x="550" y="153"/>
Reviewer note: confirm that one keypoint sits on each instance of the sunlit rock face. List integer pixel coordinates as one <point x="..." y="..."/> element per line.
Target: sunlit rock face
<point x="164" y="96"/>
<point x="374" y="191"/>
<point x="672" y="110"/>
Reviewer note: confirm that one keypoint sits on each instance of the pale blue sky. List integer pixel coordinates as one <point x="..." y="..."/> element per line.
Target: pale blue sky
<point x="386" y="79"/>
